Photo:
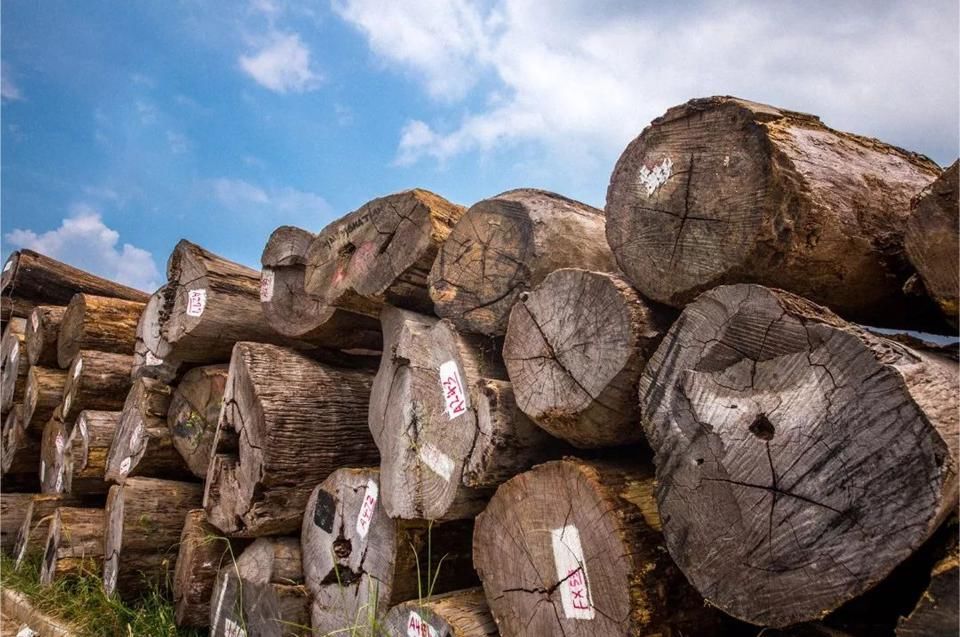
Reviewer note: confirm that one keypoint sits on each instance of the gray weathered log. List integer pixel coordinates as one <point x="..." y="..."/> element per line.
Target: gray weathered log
<point x="97" y="322"/>
<point x="194" y="412"/>
<point x="153" y="355"/>
<point x="20" y="453"/>
<point x="13" y="365"/>
<point x="74" y="544"/>
<point x="53" y="452"/>
<point x="96" y="381"/>
<point x="462" y="613"/>
<point x="85" y="461"/>
<point x="43" y="327"/>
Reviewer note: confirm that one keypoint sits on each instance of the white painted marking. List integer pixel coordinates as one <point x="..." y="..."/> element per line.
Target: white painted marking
<point x="125" y="466"/>
<point x="26" y="631"/>
<point x="83" y="427"/>
<point x="233" y="629"/>
<point x="572" y="572"/>
<point x="43" y="470"/>
<point x="417" y="627"/>
<point x="110" y="581"/>
<point x="7" y="265"/>
<point x="15" y="351"/>
<point x="66" y="403"/>
<point x="220" y="596"/>
<point x="367" y="508"/>
<point x="35" y="320"/>
<point x="439" y="462"/>
<point x="78" y="368"/>
<point x="152" y="359"/>
<point x="196" y="302"/>
<point x="58" y="487"/>
<point x="58" y="442"/>
<point x="653" y="178"/>
<point x="135" y="436"/>
<point x="452" y="387"/>
<point x="266" y="285"/>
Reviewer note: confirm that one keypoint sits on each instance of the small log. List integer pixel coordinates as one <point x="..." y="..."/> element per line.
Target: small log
<point x="458" y="614"/>
<point x="100" y="323"/>
<point x="88" y="446"/>
<point x="574" y="350"/>
<point x="13" y="365"/>
<point x="21" y="449"/>
<point x="285" y="446"/>
<point x="144" y="517"/>
<point x="358" y="562"/>
<point x="936" y="614"/>
<point x="194" y="412"/>
<point x="43" y="327"/>
<point x="152" y="354"/>
<point x="12" y="309"/>
<point x="13" y="508"/>
<point x="37" y="514"/>
<point x="96" y="381"/>
<point x="53" y="453"/>
<point x="722" y="190"/>
<point x="74" y="544"/>
<point x="293" y="312"/>
<point x="43" y="396"/>
<point x="789" y="442"/>
<point x="932" y="242"/>
<point x="262" y="593"/>
<point x="507" y="244"/>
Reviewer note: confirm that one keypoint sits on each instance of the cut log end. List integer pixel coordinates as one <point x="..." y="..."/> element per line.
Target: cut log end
<point x="74" y="544"/>
<point x="43" y="326"/>
<point x="97" y="323"/>
<point x="193" y="414"/>
<point x="458" y="614"/>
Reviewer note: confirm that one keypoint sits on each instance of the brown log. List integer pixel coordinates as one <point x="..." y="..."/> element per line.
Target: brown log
<point x="721" y="190"/>
<point x="294" y="313"/>
<point x="791" y="443"/>
<point x="932" y="242"/>
<point x="43" y="327"/>
<point x="153" y="355"/>
<point x="43" y="396"/>
<point x="13" y="365"/>
<point x="95" y="381"/>
<point x="74" y="544"/>
<point x="507" y="244"/>
<point x="358" y="562"/>
<point x="458" y="614"/>
<point x="574" y="350"/>
<point x="53" y="453"/>
<point x="143" y="444"/>
<point x="144" y="517"/>
<point x="13" y="508"/>
<point x="100" y="323"/>
<point x="262" y="593"/>
<point x="11" y="309"/>
<point x="285" y="446"/>
<point x="575" y="548"/>
<point x="85" y="462"/>
<point x="21" y="449"/>
<point x="37" y="514"/>
<point x="194" y="412"/>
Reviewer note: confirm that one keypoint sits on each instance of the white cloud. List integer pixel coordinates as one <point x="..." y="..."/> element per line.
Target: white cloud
<point x="83" y="240"/>
<point x="242" y="196"/>
<point x="283" y="65"/>
<point x="8" y="90"/>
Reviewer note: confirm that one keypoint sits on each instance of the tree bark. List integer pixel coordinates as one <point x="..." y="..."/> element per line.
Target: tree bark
<point x="554" y="561"/>
<point x="458" y="614"/>
<point x="153" y="355"/>
<point x="74" y="544"/>
<point x="13" y="508"/>
<point x="507" y="244"/>
<point x="791" y="443"/>
<point x="43" y="327"/>
<point x="293" y="312"/>
<point x="43" y="395"/>
<point x="21" y="449"/>
<point x="13" y="366"/>
<point x="37" y="514"/>
<point x="574" y="350"/>
<point x="96" y="381"/>
<point x="285" y="446"/>
<point x="100" y="323"/>
<point x="358" y="562"/>
<point x="262" y="593"/>
<point x="144" y="517"/>
<point x="12" y="309"/>
<point x="932" y="242"/>
<point x="85" y="464"/>
<point x="53" y="453"/>
<point x="721" y="190"/>
<point x="193" y="415"/>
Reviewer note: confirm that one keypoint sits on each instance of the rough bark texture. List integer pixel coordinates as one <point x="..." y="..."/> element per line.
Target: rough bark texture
<point x="381" y="253"/>
<point x="21" y="449"/>
<point x="293" y="312"/>
<point x="85" y="464"/>
<point x="193" y="414"/>
<point x="503" y="246"/>
<point x="574" y="350"/>
<point x="272" y="449"/>
<point x="144" y="517"/>
<point x="13" y="508"/>
<point x="13" y="365"/>
<point x="262" y="593"/>
<point x="358" y="562"/>
<point x="74" y="544"/>
<point x="575" y="548"/>
<point x="458" y="614"/>
<point x="153" y="355"/>
<point x="721" y="190"/>
<point x="95" y="380"/>
<point x="797" y="446"/>
<point x="932" y="240"/>
<point x="43" y="395"/>
<point x="43" y="327"/>
<point x="11" y="309"/>
<point x="53" y="452"/>
<point x="97" y="322"/>
<point x="37" y="514"/>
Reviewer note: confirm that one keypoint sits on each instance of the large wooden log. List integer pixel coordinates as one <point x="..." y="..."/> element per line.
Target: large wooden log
<point x="12" y="309"/>
<point x="37" y="515"/>
<point x="506" y="244"/>
<point x="554" y="560"/>
<point x="144" y="517"/>
<point x="74" y="544"/>
<point x="262" y="593"/>
<point x="194" y="412"/>
<point x="799" y="446"/>
<point x="43" y="396"/>
<point x="21" y="449"/>
<point x="13" y="508"/>
<point x="458" y="614"/>
<point x="85" y="462"/>
<point x="53" y="453"/>
<point x="358" y="562"/>
<point x="153" y="355"/>
<point x="721" y="190"/>
<point x="574" y="350"/>
<point x="293" y="312"/>
<point x="932" y="240"/>
<point x="96" y="381"/>
<point x="13" y="365"/>
<point x="285" y="446"/>
<point x="97" y="322"/>
<point x="43" y="328"/>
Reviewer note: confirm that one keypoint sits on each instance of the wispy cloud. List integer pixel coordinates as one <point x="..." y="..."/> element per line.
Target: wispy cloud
<point x="8" y="90"/>
<point x="242" y="196"/>
<point x="282" y="65"/>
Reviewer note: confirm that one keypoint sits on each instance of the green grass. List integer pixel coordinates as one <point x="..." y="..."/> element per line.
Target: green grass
<point x="81" y="602"/>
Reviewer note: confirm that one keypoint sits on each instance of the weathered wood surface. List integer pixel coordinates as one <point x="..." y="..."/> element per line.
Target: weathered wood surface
<point x="553" y="560"/>
<point x="262" y="593"/>
<point x="458" y="614"/>
<point x="53" y="446"/>
<point x="506" y="244"/>
<point x="274" y="450"/>
<point x="43" y="395"/>
<point x="37" y="514"/>
<point x="194" y="412"/>
<point x="95" y="381"/>
<point x="794" y="444"/>
<point x="85" y="462"/>
<point x="932" y="240"/>
<point x="144" y="518"/>
<point x="42" y="330"/>
<point x="13" y="508"/>
<point x="574" y="350"/>
<point x="74" y="544"/>
<point x="722" y="190"/>
<point x="13" y="365"/>
<point x="937" y="613"/>
<point x="100" y="323"/>
<point x="20" y="452"/>
<point x="153" y="355"/>
<point x="358" y="562"/>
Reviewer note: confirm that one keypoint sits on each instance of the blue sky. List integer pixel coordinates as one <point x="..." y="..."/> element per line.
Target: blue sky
<point x="128" y="125"/>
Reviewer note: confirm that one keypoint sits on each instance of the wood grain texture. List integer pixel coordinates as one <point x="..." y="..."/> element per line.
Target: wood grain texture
<point x="20" y="453"/>
<point x="42" y="396"/>
<point x="85" y="464"/>
<point x="37" y="515"/>
<point x="13" y="508"/>
<point x="43" y="327"/>
<point x="152" y="354"/>
<point x="458" y="614"/>
<point x="95" y="381"/>
<point x="13" y="365"/>
<point x="100" y="323"/>
<point x="74" y="544"/>
<point x="194" y="412"/>
<point x="53" y="452"/>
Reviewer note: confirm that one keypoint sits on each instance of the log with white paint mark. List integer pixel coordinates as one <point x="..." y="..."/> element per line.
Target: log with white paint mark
<point x="13" y="365"/>
<point x="43" y="327"/>
<point x="97" y="323"/>
<point x="85" y="462"/>
<point x="95" y="380"/>
<point x="53" y="452"/>
<point x="20" y="450"/>
<point x="194" y="412"/>
<point x="74" y="544"/>
<point x="43" y="396"/>
<point x="461" y="613"/>
<point x="35" y="523"/>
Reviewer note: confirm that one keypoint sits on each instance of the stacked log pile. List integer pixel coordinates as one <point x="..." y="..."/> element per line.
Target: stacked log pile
<point x="526" y="417"/>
